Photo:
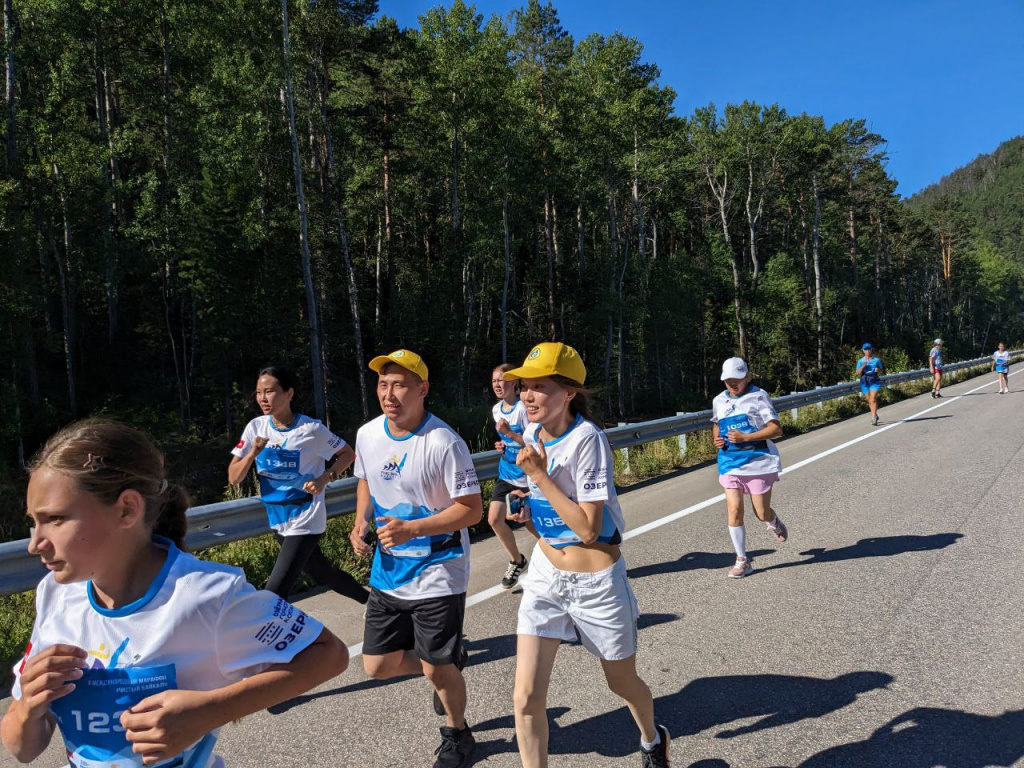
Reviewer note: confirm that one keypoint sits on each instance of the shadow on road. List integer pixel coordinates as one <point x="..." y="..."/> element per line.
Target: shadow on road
<point x="703" y="704"/>
<point x="694" y="561"/>
<point x="912" y="419"/>
<point x="884" y="546"/>
<point x="927" y="738"/>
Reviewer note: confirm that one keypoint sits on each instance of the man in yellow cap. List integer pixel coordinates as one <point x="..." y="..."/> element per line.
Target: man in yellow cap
<point x="418" y="484"/>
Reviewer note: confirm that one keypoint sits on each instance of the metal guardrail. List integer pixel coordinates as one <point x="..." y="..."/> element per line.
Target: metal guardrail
<point x="228" y="521"/>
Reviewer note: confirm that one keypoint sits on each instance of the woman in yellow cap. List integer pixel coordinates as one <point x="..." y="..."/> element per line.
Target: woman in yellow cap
<point x="577" y="583"/>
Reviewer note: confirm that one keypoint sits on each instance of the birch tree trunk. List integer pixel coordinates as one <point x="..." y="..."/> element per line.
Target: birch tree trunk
<point x="65" y="278"/>
<point x="312" y="311"/>
<point x="816" y="258"/>
<point x="323" y="88"/>
<point x="109" y="245"/>
<point x="508" y="273"/>
<point x="9" y="88"/>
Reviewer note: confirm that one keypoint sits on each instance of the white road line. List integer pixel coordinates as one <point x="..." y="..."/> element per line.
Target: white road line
<point x="487" y="594"/>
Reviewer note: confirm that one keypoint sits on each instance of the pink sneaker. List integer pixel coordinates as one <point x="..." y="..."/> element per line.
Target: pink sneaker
<point x="779" y="531"/>
<point x="741" y="569"/>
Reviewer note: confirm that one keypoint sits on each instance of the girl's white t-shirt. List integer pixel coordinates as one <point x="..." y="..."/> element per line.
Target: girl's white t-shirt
<point x="200" y="626"/>
<point x="518" y="421"/>
<point x="581" y="464"/>
<point x="292" y="457"/>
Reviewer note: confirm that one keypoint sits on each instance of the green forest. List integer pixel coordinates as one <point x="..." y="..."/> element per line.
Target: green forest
<point x="191" y="189"/>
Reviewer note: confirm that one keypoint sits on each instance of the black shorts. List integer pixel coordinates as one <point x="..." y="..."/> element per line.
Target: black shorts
<point x="430" y="628"/>
<point x="503" y="488"/>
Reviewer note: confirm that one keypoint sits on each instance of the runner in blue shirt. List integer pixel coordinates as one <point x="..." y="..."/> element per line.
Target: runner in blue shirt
<point x="510" y="420"/>
<point x="295" y="456"/>
<point x="935" y="366"/>
<point x="870" y="370"/>
<point x="1001" y="365"/>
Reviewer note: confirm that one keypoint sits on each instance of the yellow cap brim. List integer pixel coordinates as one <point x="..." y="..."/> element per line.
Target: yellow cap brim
<point x="526" y="372"/>
<point x="378" y="363"/>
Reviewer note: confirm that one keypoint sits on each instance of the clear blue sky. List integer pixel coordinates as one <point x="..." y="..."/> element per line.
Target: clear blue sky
<point x="941" y="80"/>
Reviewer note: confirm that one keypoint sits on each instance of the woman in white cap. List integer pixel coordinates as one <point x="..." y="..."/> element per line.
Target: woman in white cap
<point x="577" y="582"/>
<point x="1001" y="365"/>
<point x="870" y="370"/>
<point x="744" y="423"/>
<point x="935" y="365"/>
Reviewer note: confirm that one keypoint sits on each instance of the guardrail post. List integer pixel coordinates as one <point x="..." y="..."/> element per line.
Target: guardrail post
<point x="625" y="456"/>
<point x="821" y="403"/>
<point x="682" y="438"/>
<point x="794" y="413"/>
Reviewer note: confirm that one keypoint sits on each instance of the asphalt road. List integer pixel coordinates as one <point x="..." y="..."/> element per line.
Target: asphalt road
<point x="886" y="631"/>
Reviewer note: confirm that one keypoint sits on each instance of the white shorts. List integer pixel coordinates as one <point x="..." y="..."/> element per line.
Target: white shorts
<point x="599" y="606"/>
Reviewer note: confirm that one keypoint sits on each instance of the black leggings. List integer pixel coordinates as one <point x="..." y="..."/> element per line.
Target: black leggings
<point x="302" y="554"/>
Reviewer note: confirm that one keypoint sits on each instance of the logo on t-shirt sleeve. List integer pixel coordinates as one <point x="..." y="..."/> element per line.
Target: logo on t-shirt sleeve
<point x="285" y="628"/>
<point x="24" y="659"/>
<point x="240" y="446"/>
<point x="465" y="479"/>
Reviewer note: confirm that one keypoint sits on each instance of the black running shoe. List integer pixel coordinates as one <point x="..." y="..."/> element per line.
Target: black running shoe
<point x="657" y="757"/>
<point x="460" y="664"/>
<point x="456" y="748"/>
<point x="513" y="572"/>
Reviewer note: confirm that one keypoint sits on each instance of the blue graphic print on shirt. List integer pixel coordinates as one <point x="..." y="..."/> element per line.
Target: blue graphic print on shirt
<point x="281" y="483"/>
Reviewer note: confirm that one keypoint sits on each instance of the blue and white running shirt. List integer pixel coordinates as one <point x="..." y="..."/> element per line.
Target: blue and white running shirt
<point x="517" y="422"/>
<point x="292" y="457"/>
<point x="936" y="356"/>
<point x="871" y="367"/>
<point x="750" y="412"/>
<point x="580" y="463"/>
<point x="1002" y="361"/>
<point x="411" y="478"/>
<point x="200" y="626"/>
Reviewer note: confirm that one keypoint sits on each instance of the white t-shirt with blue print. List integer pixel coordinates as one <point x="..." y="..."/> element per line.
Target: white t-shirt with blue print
<point x="936" y="356"/>
<point x="750" y="412"/>
<point x="200" y="626"/>
<point x="517" y="422"/>
<point x="411" y="478"/>
<point x="292" y="457"/>
<point x="1002" y="361"/>
<point x="580" y="463"/>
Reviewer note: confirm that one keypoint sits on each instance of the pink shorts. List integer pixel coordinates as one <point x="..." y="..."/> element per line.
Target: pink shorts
<point x="751" y="485"/>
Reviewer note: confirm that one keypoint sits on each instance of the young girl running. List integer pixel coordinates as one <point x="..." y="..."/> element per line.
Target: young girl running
<point x="578" y="581"/>
<point x="870" y="370"/>
<point x="510" y="418"/>
<point x="295" y="458"/>
<point x="1001" y="365"/>
<point x="743" y="426"/>
<point x="140" y="652"/>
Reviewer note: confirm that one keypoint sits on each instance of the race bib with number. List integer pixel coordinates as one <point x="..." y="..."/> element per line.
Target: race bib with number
<point x="89" y="718"/>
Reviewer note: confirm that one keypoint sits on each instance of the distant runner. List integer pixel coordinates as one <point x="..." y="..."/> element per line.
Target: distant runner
<point x="510" y="420"/>
<point x="1001" y="365"/>
<point x="744" y="425"/>
<point x="935" y="365"/>
<point x="870" y="370"/>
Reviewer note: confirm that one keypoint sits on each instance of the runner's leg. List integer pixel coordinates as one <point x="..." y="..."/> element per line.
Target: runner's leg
<point x="326" y="574"/>
<point x="496" y="519"/>
<point x="291" y="561"/>
<point x="625" y="683"/>
<point x="535" y="657"/>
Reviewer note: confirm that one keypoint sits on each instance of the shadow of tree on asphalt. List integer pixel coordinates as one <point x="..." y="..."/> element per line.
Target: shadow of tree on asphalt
<point x="927" y="738"/>
<point x="883" y="546"/>
<point x="694" y="561"/>
<point x="703" y="704"/>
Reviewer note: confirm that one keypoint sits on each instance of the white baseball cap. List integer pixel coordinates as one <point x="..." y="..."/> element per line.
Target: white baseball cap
<point x="734" y="368"/>
<point x="938" y="341"/>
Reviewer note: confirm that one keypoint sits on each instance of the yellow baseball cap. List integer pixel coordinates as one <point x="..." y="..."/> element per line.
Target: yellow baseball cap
<point x="403" y="357"/>
<point x="550" y="358"/>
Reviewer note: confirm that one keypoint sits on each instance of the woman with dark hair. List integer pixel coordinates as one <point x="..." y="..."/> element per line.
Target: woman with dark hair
<point x="140" y="652"/>
<point x="295" y="457"/>
<point x="577" y="583"/>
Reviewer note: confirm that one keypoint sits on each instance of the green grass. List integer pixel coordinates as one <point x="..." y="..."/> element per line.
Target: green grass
<point x="256" y="556"/>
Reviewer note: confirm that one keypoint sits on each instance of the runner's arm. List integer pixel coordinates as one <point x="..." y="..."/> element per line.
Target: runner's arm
<point x="240" y="465"/>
